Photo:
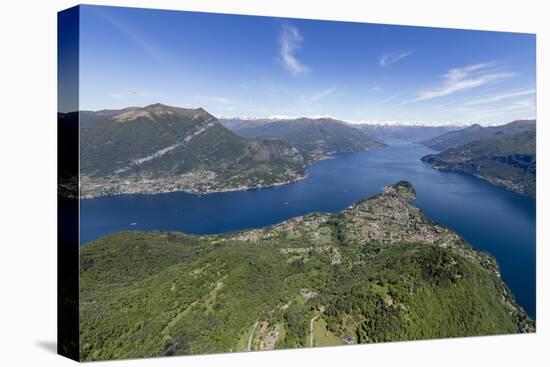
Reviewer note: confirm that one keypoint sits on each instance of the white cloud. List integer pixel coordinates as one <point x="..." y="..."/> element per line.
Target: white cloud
<point x="498" y="97"/>
<point x="392" y="58"/>
<point x="461" y="79"/>
<point x="291" y="40"/>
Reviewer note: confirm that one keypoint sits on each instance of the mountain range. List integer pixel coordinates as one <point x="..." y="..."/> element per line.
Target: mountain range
<point x="317" y="138"/>
<point x="160" y="148"/>
<point x="457" y="138"/>
<point x="503" y="155"/>
<point x="404" y="133"/>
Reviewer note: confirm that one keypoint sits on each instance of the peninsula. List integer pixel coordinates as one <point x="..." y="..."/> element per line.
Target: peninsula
<point x="377" y="271"/>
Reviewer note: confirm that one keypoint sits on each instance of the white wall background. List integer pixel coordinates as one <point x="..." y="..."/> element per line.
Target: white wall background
<point x="28" y="181"/>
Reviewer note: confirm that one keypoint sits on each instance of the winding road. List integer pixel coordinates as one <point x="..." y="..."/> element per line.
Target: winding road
<point x="321" y="309"/>
<point x="250" y="337"/>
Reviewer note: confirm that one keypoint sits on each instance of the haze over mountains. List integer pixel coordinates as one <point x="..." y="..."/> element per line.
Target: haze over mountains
<point x="404" y="133"/>
<point x="318" y="137"/>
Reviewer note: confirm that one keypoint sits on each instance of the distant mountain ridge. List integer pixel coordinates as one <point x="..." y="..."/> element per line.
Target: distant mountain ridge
<point x="503" y="155"/>
<point x="454" y="139"/>
<point x="159" y="148"/>
<point x="404" y="133"/>
<point x="317" y="137"/>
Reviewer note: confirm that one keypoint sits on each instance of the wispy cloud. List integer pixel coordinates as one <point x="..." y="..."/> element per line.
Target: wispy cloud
<point x="127" y="93"/>
<point x="464" y="78"/>
<point x="134" y="35"/>
<point x="393" y="57"/>
<point x="290" y="40"/>
<point x="527" y="105"/>
<point x="222" y="100"/>
<point x="387" y="99"/>
<point x="498" y="97"/>
<point x="208" y="99"/>
<point x="320" y="95"/>
<point x="383" y="101"/>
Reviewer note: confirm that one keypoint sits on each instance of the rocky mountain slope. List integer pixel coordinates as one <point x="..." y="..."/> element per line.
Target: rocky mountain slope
<point x="378" y="271"/>
<point x="159" y="148"/>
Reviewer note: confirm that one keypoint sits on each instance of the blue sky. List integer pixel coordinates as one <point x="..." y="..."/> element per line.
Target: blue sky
<point x="260" y="66"/>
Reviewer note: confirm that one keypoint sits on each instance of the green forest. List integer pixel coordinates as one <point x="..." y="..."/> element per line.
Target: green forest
<point x="378" y="271"/>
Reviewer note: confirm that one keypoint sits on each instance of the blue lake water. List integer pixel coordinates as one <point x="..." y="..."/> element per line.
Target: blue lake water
<point x="492" y="219"/>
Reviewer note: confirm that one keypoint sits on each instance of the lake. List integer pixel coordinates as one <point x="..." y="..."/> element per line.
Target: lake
<point x="490" y="218"/>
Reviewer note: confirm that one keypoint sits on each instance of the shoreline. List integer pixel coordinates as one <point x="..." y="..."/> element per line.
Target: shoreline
<point x="233" y="189"/>
<point x="400" y="200"/>
<point x="502" y="184"/>
<point x="197" y="192"/>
